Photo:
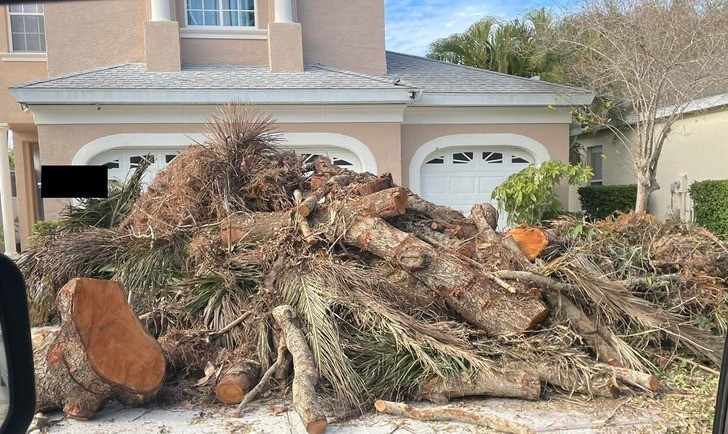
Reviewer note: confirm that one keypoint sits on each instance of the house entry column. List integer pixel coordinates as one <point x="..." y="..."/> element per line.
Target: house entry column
<point x="161" y="10"/>
<point x="6" y="193"/>
<point x="284" y="11"/>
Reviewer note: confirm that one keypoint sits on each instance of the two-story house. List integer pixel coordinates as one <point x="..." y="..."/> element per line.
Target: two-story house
<point x="117" y="79"/>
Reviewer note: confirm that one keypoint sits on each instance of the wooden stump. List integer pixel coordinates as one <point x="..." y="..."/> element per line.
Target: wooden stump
<point x="100" y="352"/>
<point x="237" y="381"/>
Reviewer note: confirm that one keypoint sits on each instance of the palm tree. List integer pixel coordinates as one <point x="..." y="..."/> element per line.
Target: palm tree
<point x="518" y="47"/>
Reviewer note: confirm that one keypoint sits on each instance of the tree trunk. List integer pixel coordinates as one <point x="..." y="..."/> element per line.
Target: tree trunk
<point x="100" y="352"/>
<point x="452" y="415"/>
<point x="472" y="294"/>
<point x="507" y="384"/>
<point x="237" y="381"/>
<point x="643" y="198"/>
<point x="305" y="374"/>
<point x="253" y="227"/>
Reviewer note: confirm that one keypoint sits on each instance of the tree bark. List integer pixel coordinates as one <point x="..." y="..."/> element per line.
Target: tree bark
<point x="643" y="198"/>
<point x="383" y="182"/>
<point x="305" y="374"/>
<point x="237" y="381"/>
<point x="599" y="384"/>
<point x="508" y="384"/>
<point x="253" y="227"/>
<point x="100" y="352"/>
<point x="452" y="415"/>
<point x="471" y="293"/>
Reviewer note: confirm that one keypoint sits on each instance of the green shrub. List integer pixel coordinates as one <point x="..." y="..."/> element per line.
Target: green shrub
<point x="44" y="227"/>
<point x="601" y="201"/>
<point x="710" y="199"/>
<point x="527" y="195"/>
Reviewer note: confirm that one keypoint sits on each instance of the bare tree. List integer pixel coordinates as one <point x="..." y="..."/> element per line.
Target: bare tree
<point x="652" y="57"/>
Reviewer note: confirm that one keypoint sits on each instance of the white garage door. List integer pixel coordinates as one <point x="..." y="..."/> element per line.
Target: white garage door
<point x="463" y="177"/>
<point x="121" y="163"/>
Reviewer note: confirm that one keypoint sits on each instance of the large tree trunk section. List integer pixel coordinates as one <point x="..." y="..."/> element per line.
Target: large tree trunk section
<point x="451" y="415"/>
<point x="100" y="352"/>
<point x="507" y="384"/>
<point x="237" y="381"/>
<point x="305" y="374"/>
<point x="601" y="384"/>
<point x="482" y="302"/>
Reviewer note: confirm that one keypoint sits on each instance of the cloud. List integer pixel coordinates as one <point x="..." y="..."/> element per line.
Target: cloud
<point x="412" y="24"/>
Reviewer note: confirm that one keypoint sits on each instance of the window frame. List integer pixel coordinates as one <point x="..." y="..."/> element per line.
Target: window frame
<point x="590" y="161"/>
<point x="9" y="14"/>
<point x="221" y="27"/>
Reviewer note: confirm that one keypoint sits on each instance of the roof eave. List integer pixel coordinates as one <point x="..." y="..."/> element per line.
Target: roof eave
<point x="504" y="99"/>
<point x="25" y="95"/>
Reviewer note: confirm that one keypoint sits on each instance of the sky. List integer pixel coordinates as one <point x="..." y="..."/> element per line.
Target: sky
<point x="412" y="24"/>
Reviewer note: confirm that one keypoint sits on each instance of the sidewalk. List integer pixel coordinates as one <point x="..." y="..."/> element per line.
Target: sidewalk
<point x="275" y="417"/>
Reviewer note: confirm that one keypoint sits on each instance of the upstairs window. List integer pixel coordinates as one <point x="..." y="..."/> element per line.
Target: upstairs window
<point x="230" y="13"/>
<point x="27" y="29"/>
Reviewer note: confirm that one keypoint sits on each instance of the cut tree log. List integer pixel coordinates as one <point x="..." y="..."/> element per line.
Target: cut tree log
<point x="253" y="227"/>
<point x="531" y="240"/>
<point x="470" y="292"/>
<point x="600" y="384"/>
<point x="451" y="415"/>
<point x="237" y="381"/>
<point x="263" y="380"/>
<point x="383" y="182"/>
<point x="305" y="374"/>
<point x="507" y="384"/>
<point x="100" y="352"/>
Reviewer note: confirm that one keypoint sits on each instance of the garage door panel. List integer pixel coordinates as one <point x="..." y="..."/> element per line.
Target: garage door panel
<point x="435" y="185"/>
<point x="463" y="185"/>
<point x="463" y="177"/>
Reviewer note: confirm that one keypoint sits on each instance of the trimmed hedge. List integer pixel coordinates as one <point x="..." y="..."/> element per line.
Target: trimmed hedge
<point x="601" y="201"/>
<point x="710" y="201"/>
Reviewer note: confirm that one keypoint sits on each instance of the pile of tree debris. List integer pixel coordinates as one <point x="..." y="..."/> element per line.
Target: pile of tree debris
<point x="255" y="271"/>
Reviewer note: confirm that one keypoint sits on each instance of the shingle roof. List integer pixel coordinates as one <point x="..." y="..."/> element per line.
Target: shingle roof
<point x="410" y="80"/>
<point x="442" y="77"/>
<point x="193" y="76"/>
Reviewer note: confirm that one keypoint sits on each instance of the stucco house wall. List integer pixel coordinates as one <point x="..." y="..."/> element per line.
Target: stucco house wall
<point x="696" y="150"/>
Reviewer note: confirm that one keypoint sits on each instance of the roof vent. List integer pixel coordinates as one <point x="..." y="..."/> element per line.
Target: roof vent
<point x="536" y="77"/>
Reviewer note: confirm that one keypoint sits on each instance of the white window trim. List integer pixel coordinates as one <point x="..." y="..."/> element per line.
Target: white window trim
<point x="8" y="57"/>
<point x="24" y="56"/>
<point x="215" y="29"/>
<point x="209" y="32"/>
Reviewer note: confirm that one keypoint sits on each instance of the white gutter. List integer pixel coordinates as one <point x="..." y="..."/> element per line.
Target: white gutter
<point x="693" y="106"/>
<point x="210" y="96"/>
<point x="502" y="99"/>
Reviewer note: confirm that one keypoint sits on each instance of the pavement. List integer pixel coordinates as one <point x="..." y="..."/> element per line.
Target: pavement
<point x="274" y="416"/>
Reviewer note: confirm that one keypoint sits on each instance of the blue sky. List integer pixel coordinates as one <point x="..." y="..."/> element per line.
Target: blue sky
<point x="413" y="24"/>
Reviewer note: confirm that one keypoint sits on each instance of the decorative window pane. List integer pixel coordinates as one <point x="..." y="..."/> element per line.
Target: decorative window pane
<point x="231" y="13"/>
<point x="521" y="158"/>
<point x="493" y="157"/>
<point x="341" y="162"/>
<point x="169" y="157"/>
<point x="437" y="160"/>
<point x="113" y="164"/>
<point x="462" y="157"/>
<point x="27" y="27"/>
<point x="308" y="158"/>
<point x="135" y="160"/>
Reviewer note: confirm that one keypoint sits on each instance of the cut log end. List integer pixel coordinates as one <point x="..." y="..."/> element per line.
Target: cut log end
<point x="317" y="427"/>
<point x="532" y="241"/>
<point x="117" y="346"/>
<point x="380" y="405"/>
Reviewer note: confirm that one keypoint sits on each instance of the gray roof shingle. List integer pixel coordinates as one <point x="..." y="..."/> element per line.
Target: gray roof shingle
<point x="442" y="77"/>
<point x="193" y="76"/>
